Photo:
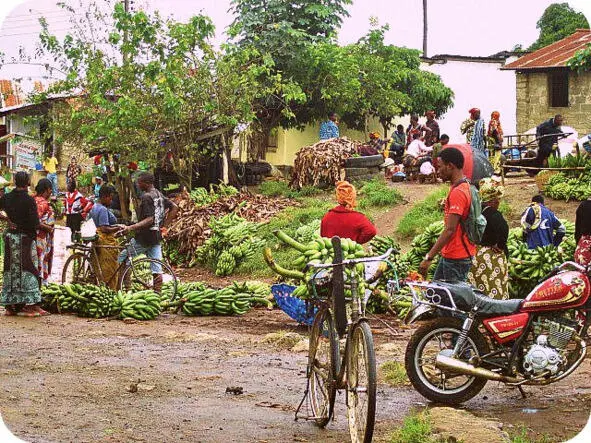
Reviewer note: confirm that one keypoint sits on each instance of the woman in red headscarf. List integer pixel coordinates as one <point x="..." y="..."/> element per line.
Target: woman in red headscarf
<point x="343" y="221"/>
<point x="495" y="130"/>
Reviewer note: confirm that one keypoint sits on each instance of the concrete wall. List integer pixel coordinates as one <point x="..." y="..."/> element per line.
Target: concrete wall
<point x="476" y="85"/>
<point x="533" y="101"/>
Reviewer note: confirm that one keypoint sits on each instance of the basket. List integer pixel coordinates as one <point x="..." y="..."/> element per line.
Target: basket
<point x="294" y="307"/>
<point x="542" y="178"/>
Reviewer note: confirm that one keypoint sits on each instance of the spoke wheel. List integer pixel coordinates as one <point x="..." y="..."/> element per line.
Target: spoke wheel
<point x="323" y="358"/>
<point x="431" y="339"/>
<point x="361" y="384"/>
<point x="137" y="275"/>
<point x="78" y="269"/>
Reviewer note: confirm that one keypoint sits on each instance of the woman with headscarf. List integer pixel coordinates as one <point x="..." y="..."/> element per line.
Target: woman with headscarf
<point x="432" y="137"/>
<point x="489" y="273"/>
<point x="21" y="293"/>
<point x="45" y="229"/>
<point x="343" y="221"/>
<point x="495" y="130"/>
<point x="467" y="126"/>
<point x="415" y="128"/>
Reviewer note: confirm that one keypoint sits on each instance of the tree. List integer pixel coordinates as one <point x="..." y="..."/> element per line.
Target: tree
<point x="284" y="31"/>
<point x="164" y="87"/>
<point x="558" y="21"/>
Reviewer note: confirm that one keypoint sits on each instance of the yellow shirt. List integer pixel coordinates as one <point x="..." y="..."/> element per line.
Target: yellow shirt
<point x="50" y="165"/>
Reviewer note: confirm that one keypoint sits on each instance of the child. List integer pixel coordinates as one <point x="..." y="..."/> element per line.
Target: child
<point x="76" y="209"/>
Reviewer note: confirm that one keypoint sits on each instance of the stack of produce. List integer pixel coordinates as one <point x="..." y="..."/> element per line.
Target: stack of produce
<point x="560" y="187"/>
<point x="569" y="161"/>
<point x="422" y="244"/>
<point x="308" y="232"/>
<point x="100" y="301"/>
<point x="203" y="197"/>
<point x="191" y="228"/>
<point x="322" y="162"/>
<point x="233" y="239"/>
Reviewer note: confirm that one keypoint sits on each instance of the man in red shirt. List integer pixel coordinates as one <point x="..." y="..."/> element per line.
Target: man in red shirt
<point x="453" y="243"/>
<point x="343" y="221"/>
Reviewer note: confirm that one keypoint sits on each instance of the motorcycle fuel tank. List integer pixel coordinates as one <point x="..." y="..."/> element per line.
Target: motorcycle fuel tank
<point x="563" y="291"/>
<point x="507" y="328"/>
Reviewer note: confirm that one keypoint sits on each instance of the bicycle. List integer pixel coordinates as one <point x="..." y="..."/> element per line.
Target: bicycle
<point x="338" y="316"/>
<point x="134" y="273"/>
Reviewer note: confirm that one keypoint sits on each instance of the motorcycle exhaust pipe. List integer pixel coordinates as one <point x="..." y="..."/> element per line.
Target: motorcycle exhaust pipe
<point x="454" y="365"/>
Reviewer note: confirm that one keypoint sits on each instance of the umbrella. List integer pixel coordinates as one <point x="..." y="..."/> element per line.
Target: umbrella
<point x="476" y="163"/>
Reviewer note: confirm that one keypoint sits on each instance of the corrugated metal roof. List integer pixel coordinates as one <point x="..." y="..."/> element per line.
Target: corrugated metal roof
<point x="555" y="55"/>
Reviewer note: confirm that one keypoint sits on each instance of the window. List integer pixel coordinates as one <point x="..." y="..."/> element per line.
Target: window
<point x="558" y="88"/>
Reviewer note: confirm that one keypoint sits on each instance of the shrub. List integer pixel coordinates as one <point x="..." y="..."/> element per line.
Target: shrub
<point x="275" y="189"/>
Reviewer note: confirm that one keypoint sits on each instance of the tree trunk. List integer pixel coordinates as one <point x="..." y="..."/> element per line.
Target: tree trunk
<point x="425" y="28"/>
<point x="230" y="176"/>
<point x="385" y="126"/>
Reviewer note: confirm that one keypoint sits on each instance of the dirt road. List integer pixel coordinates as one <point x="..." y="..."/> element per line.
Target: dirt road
<point x="70" y="379"/>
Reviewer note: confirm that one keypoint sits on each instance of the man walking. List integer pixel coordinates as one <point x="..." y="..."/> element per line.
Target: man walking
<point x="155" y="212"/>
<point x="329" y="128"/>
<point x="539" y="224"/>
<point x="453" y="243"/>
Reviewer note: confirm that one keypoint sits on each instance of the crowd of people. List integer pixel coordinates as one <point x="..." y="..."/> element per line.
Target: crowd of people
<point x="29" y="238"/>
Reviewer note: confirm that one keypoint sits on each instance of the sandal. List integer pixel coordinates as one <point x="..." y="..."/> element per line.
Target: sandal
<point x="28" y="314"/>
<point x="9" y="312"/>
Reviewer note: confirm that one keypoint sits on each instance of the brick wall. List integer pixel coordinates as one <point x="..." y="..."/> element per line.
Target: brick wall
<point x="533" y="101"/>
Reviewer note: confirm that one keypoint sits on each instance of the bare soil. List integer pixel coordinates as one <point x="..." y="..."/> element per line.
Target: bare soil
<point x="70" y="379"/>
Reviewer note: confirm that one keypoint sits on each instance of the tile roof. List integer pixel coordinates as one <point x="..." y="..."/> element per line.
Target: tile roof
<point x="555" y="55"/>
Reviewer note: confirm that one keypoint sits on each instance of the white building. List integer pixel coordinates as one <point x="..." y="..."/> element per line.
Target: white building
<point x="477" y="82"/>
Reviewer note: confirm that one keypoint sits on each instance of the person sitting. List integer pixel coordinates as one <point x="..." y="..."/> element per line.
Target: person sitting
<point x="398" y="144"/>
<point x="343" y="221"/>
<point x="76" y="209"/>
<point x="539" y="224"/>
<point x="330" y="128"/>
<point x="106" y="246"/>
<point x="417" y="153"/>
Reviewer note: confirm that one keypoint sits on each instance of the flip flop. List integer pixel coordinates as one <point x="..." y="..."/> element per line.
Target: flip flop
<point x="28" y="314"/>
<point x="9" y="313"/>
<point x="42" y="312"/>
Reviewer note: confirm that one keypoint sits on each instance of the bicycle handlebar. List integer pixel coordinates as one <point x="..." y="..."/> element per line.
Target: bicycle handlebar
<point x="350" y="261"/>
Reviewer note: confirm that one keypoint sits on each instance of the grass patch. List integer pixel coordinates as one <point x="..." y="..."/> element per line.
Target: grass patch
<point x="274" y="188"/>
<point x="422" y="214"/>
<point x="394" y="373"/>
<point x="416" y="428"/>
<point x="521" y="435"/>
<point x="377" y="193"/>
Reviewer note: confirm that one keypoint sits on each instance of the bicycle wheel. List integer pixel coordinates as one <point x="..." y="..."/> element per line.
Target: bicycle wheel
<point x="79" y="269"/>
<point x="137" y="276"/>
<point x="361" y="384"/>
<point x="323" y="358"/>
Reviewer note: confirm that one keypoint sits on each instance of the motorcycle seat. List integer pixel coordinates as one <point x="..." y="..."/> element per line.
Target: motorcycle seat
<point x="466" y="297"/>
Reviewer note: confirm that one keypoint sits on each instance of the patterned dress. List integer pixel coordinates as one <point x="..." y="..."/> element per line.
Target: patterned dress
<point x="44" y="238"/>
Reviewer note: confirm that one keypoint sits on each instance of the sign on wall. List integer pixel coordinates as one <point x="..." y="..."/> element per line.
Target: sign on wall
<point x="25" y="152"/>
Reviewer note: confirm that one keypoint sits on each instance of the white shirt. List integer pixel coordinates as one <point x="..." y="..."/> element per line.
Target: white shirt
<point x="418" y="148"/>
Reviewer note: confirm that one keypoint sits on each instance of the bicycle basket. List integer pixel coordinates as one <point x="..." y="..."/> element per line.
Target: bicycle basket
<point x="292" y="306"/>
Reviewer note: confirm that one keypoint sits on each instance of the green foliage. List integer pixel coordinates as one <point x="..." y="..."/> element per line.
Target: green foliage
<point x="558" y="21"/>
<point x="520" y="435"/>
<point x="416" y="428"/>
<point x="274" y="188"/>
<point x="394" y="373"/>
<point x="84" y="180"/>
<point x="423" y="214"/>
<point x="581" y="61"/>
<point x="377" y="193"/>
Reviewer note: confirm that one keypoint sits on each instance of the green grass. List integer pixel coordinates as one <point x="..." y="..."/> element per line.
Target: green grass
<point x="422" y="214"/>
<point x="377" y="193"/>
<point x="520" y="435"/>
<point x="281" y="189"/>
<point x="416" y="428"/>
<point x="394" y="373"/>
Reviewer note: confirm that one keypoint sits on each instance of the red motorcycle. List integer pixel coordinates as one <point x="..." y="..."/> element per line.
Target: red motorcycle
<point x="469" y="338"/>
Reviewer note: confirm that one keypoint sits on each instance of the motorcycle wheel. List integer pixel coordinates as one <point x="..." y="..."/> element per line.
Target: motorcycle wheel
<point x="424" y="345"/>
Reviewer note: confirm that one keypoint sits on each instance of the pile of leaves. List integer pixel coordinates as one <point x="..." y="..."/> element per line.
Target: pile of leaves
<point x="322" y="162"/>
<point x="192" y="228"/>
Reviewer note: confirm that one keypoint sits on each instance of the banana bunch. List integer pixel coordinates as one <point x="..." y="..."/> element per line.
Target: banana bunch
<point x="69" y="300"/>
<point x="379" y="245"/>
<point x="225" y="264"/>
<point x="85" y="300"/>
<point x="99" y="300"/>
<point x="569" y="161"/>
<point x="421" y="244"/>
<point x="574" y="188"/>
<point x="50" y="297"/>
<point x="216" y="302"/>
<point x="308" y="232"/>
<point x="533" y="264"/>
<point x="142" y="305"/>
<point x="259" y="292"/>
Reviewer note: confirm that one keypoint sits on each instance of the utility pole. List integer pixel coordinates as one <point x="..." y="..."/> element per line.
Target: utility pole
<point x="126" y="4"/>
<point x="425" y="28"/>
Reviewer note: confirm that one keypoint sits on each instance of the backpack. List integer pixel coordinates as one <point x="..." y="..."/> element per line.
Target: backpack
<point x="475" y="224"/>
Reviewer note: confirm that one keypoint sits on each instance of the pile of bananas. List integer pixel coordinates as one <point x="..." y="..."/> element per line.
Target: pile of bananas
<point x="560" y="187"/>
<point x="142" y="305"/>
<point x="569" y="161"/>
<point x="203" y="197"/>
<point x="420" y="245"/>
<point x="85" y="300"/>
<point x="308" y="232"/>
<point x="233" y="239"/>
<point x="227" y="301"/>
<point x="379" y="245"/>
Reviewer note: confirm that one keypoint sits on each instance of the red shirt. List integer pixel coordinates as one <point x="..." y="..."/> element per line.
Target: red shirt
<point x="346" y="223"/>
<point x="458" y="202"/>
